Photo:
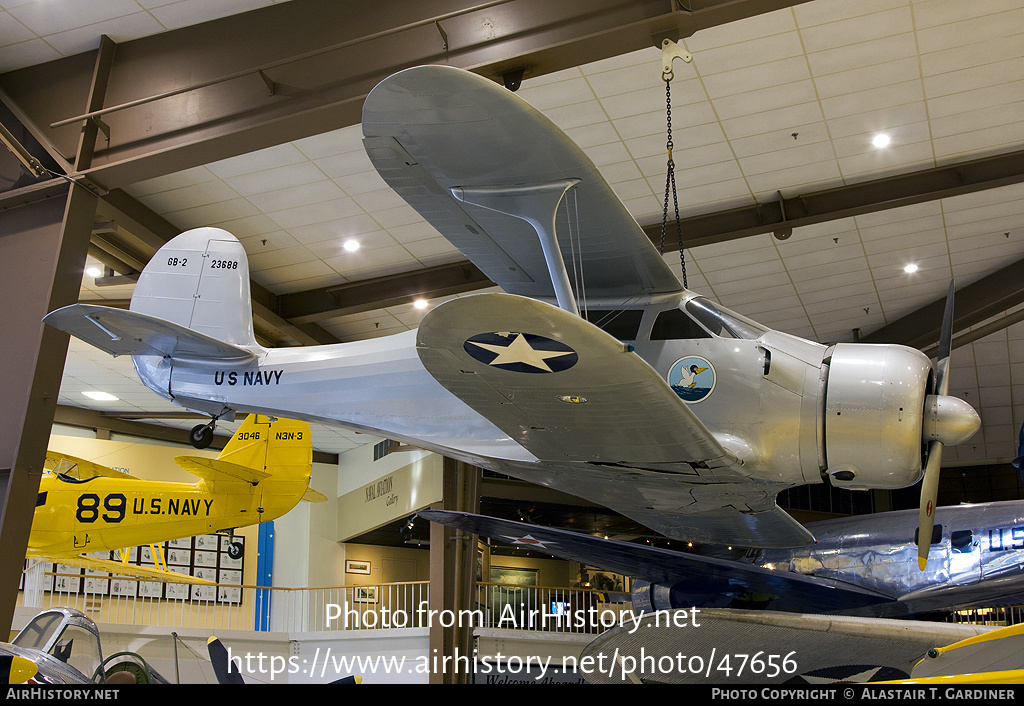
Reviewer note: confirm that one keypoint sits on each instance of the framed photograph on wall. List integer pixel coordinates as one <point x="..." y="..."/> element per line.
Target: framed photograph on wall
<point x="365" y="594"/>
<point x="353" y="566"/>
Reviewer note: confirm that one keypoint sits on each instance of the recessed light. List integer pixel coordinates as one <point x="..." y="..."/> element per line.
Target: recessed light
<point x="421" y="303"/>
<point x="99" y="396"/>
<point x="881" y="140"/>
<point x="93" y="271"/>
<point x="351" y="245"/>
<point x="910" y="268"/>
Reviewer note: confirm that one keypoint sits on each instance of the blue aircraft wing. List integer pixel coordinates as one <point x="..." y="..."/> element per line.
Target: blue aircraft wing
<point x="699" y="580"/>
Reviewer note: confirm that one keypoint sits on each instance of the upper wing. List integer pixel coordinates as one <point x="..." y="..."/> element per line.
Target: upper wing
<point x="694" y="577"/>
<point x="80" y="468"/>
<point x="430" y="129"/>
<point x="118" y="568"/>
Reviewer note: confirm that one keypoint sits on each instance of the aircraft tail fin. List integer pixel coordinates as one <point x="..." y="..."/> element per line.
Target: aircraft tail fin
<point x="200" y="280"/>
<point x="279" y="446"/>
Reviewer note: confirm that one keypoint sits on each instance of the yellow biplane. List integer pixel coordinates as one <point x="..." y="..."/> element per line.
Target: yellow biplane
<point x="84" y="507"/>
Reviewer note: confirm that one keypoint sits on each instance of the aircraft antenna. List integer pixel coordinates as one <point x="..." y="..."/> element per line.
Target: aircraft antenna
<point x="669" y="51"/>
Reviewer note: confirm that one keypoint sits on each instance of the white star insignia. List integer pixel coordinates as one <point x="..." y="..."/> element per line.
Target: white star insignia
<point x="520" y="351"/>
<point x="526" y="541"/>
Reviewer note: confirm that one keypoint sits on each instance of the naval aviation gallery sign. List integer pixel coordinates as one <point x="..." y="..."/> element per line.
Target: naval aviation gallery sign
<point x="384" y="489"/>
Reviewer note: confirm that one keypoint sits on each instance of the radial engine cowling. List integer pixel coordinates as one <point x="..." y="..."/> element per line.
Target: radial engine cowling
<point x="874" y="415"/>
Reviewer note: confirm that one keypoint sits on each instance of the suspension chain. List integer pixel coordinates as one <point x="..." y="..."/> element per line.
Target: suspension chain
<point x="670" y="180"/>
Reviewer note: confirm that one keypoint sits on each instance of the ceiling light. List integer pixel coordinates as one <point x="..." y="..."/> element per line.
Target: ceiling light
<point x="93" y="271"/>
<point x="99" y="396"/>
<point x="881" y="140"/>
<point x="910" y="268"/>
<point x="351" y="245"/>
<point x="421" y="303"/>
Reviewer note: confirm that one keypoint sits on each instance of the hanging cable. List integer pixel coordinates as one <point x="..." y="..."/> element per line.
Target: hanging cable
<point x="670" y="180"/>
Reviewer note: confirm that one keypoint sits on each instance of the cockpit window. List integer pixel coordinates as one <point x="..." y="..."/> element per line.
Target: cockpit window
<point x="961" y="541"/>
<point x="623" y="324"/>
<point x="38" y="632"/>
<point x="674" y="325"/>
<point x="722" y="322"/>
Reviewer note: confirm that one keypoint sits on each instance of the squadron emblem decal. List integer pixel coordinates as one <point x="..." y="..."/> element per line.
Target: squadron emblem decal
<point x="521" y="352"/>
<point x="692" y="378"/>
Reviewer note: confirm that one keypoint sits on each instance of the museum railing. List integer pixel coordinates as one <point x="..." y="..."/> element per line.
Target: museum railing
<point x="132" y="601"/>
<point x="379" y="606"/>
<point x="550" y="609"/>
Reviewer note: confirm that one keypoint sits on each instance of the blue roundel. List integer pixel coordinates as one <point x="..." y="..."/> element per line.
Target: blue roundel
<point x="692" y="378"/>
<point x="521" y="352"/>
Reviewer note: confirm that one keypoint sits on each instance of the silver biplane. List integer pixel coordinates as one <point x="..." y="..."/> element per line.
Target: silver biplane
<point x="615" y="384"/>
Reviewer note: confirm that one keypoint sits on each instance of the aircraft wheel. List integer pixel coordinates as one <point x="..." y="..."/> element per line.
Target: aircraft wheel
<point x="201" y="436"/>
<point x="235" y="550"/>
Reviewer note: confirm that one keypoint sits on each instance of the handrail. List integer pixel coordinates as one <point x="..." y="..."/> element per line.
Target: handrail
<point x="393" y="605"/>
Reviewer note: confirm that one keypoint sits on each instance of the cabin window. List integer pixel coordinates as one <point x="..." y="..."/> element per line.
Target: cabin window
<point x="962" y="541"/>
<point x="623" y="324"/>
<point x="674" y="325"/>
<point x="936" y="534"/>
<point x="722" y="322"/>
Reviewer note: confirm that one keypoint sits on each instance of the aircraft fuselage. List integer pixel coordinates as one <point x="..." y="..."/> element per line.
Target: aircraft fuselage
<point x="103" y="514"/>
<point x="762" y="394"/>
<point x="977" y="554"/>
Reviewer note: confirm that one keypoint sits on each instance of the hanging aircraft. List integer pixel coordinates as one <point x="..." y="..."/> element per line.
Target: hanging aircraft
<point x="84" y="507"/>
<point x="590" y="399"/>
<point x="865" y="565"/>
<point x="766" y="647"/>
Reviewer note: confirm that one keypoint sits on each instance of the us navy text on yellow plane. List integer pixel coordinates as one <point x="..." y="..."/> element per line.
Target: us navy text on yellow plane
<point x="249" y="377"/>
<point x="113" y="507"/>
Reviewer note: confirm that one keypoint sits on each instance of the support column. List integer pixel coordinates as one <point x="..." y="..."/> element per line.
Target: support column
<point x="452" y="577"/>
<point x="44" y="238"/>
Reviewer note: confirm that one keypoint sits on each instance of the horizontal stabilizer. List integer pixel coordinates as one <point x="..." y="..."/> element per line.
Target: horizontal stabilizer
<point x="118" y="568"/>
<point x="121" y="332"/>
<point x="212" y="470"/>
<point x="80" y="468"/>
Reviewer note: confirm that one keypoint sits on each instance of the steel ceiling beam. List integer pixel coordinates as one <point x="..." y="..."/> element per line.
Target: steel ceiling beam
<point x="803" y="210"/>
<point x="975" y="303"/>
<point x="846" y="201"/>
<point x="381" y="292"/>
<point x="207" y="92"/>
<point x="145" y="232"/>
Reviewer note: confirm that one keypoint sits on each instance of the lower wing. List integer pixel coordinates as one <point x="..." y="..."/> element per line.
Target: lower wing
<point x="118" y="568"/>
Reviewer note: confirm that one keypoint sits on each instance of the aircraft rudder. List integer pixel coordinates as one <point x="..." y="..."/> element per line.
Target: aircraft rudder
<point x="290" y="447"/>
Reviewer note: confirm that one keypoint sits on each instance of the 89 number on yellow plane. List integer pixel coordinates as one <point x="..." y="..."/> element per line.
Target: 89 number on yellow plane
<point x="89" y="507"/>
